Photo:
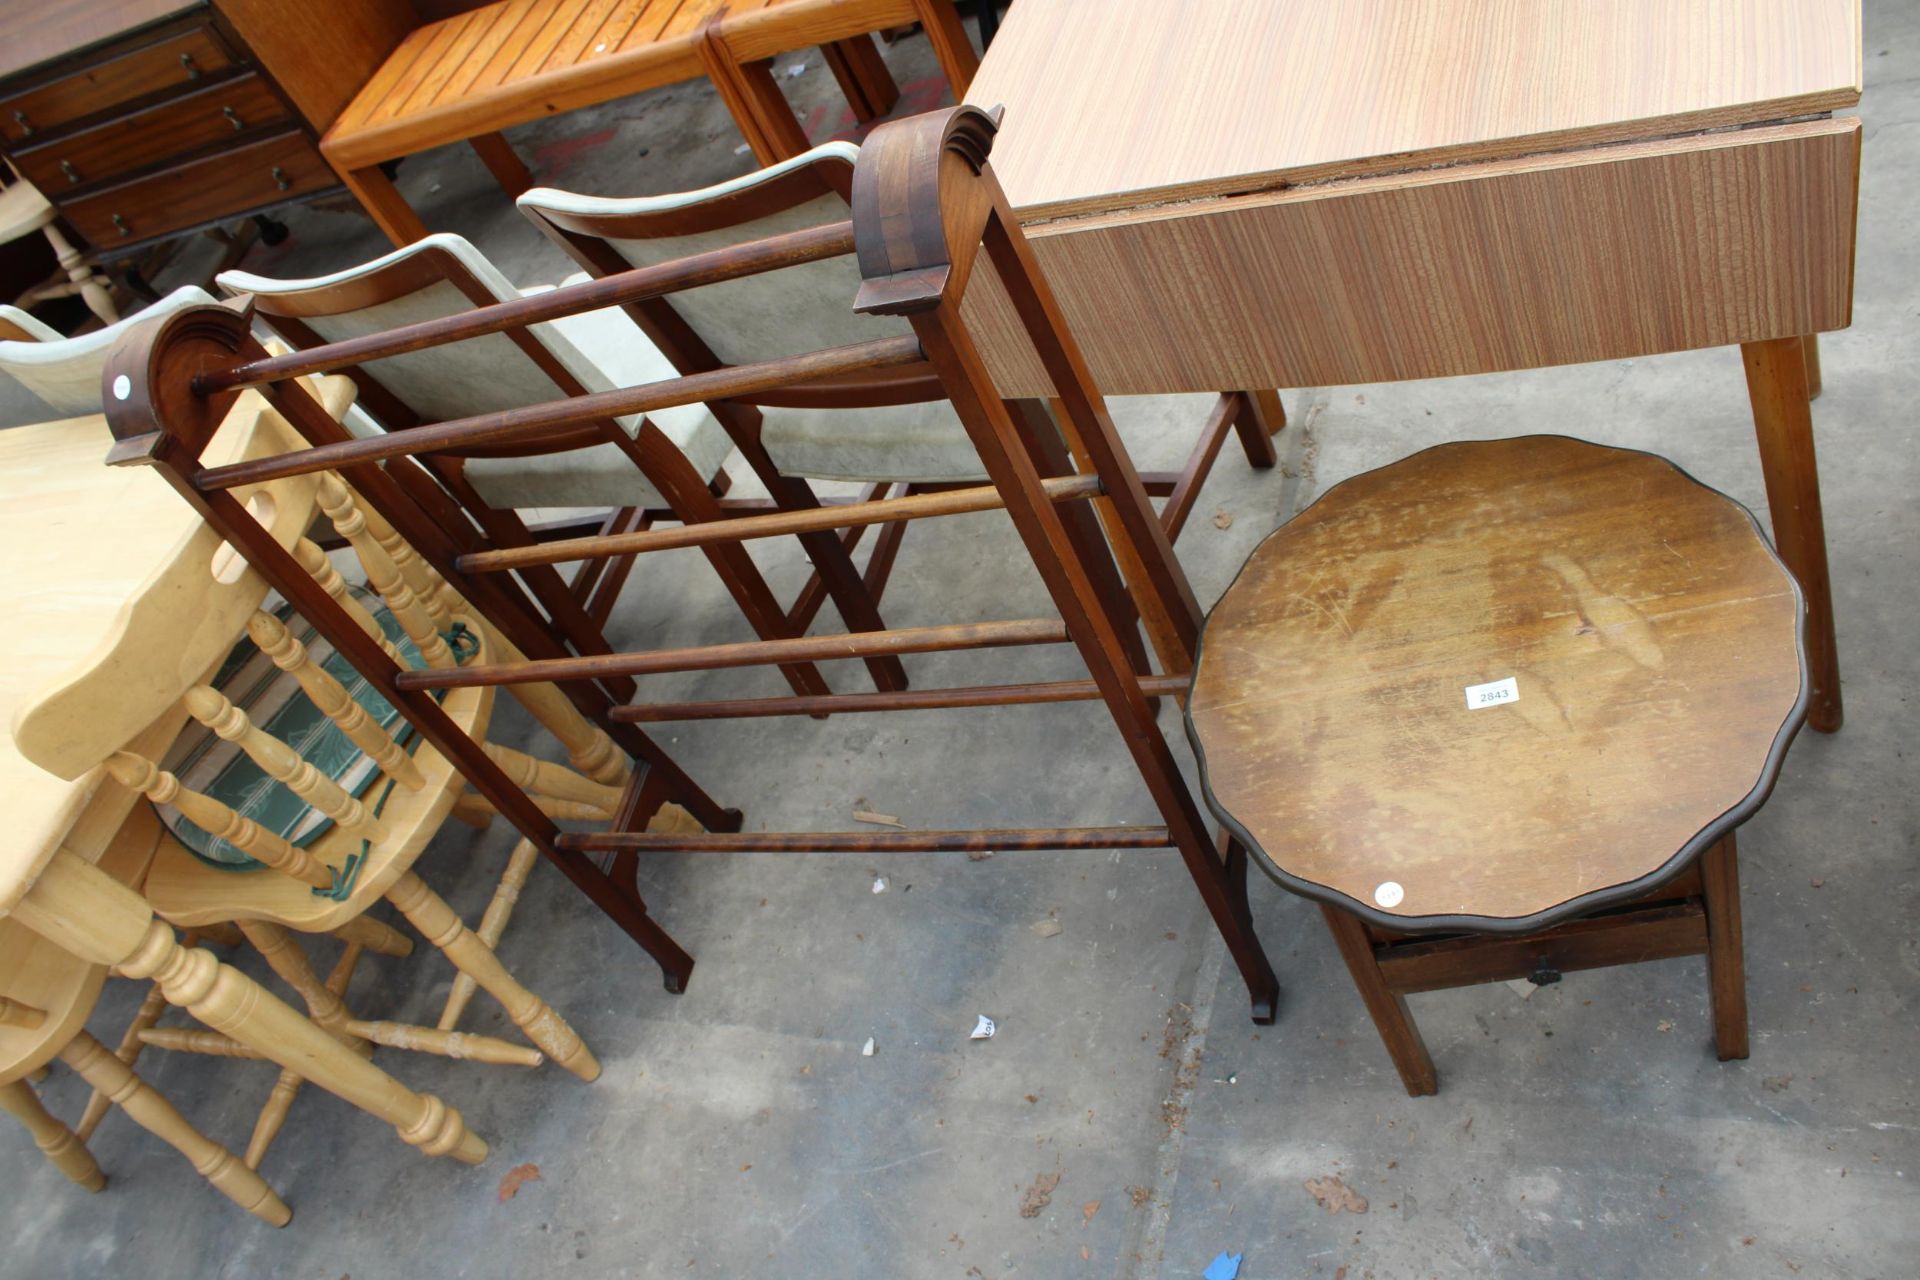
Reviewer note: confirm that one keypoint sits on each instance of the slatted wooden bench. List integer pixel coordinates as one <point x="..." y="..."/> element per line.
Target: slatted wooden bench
<point x="467" y="77"/>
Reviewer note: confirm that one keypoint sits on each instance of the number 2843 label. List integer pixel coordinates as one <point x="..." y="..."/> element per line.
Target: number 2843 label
<point x="1492" y="694"/>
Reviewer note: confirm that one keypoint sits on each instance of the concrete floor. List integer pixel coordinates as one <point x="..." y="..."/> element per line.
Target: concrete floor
<point x="738" y="1130"/>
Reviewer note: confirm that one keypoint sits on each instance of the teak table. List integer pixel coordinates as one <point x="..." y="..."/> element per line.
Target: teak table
<point x="1284" y="193"/>
<point x="86" y="543"/>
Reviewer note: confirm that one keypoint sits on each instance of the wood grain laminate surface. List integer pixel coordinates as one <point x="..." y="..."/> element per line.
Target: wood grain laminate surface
<point x="1600" y="253"/>
<point x="1651" y="635"/>
<point x="1116" y="103"/>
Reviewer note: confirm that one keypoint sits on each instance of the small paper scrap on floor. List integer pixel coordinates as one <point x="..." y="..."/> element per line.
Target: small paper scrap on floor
<point x="879" y="884"/>
<point x="1047" y="928"/>
<point x="983" y="1029"/>
<point x="979" y="855"/>
<point x="1224" y="1267"/>
<point x="877" y="819"/>
<point x="1334" y="1195"/>
<point x="742" y="149"/>
<point x="866" y="1050"/>
<point x="797" y="70"/>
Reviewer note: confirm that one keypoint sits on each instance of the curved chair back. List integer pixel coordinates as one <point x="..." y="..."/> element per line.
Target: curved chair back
<point x="434" y="278"/>
<point x="797" y="309"/>
<point x="63" y="374"/>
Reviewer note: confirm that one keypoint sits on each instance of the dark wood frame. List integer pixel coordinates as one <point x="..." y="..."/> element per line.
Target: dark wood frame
<point x="1254" y="415"/>
<point x="580" y="620"/>
<point x="925" y="205"/>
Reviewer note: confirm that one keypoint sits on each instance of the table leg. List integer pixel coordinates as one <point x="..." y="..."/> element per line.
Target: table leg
<point x="501" y="161"/>
<point x="1387" y="1007"/>
<point x="869" y="87"/>
<point x="1260" y="419"/>
<point x="1783" y="425"/>
<point x="381" y="199"/>
<point x="78" y="907"/>
<point x="59" y="1144"/>
<point x="1726" y="957"/>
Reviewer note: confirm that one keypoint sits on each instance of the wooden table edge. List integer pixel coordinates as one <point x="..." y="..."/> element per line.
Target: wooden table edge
<point x="1626" y="891"/>
<point x="1441" y="162"/>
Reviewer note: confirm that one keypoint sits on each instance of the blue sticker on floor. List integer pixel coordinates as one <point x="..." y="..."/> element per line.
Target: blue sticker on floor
<point x="1224" y="1267"/>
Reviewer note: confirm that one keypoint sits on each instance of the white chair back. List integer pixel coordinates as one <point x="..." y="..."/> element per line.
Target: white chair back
<point x="439" y="276"/>
<point x="62" y="375"/>
<point x="787" y="312"/>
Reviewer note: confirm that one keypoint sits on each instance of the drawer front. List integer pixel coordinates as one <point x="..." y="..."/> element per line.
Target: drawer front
<point x="178" y="61"/>
<point x="207" y="190"/>
<point x="208" y="117"/>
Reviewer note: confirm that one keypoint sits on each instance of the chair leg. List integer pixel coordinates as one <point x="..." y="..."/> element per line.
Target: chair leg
<point x="272" y="1117"/>
<point x="144" y="1018"/>
<point x="492" y="925"/>
<point x="59" y="1144"/>
<point x="829" y="554"/>
<point x="157" y="1116"/>
<point x="661" y="461"/>
<point x="428" y="912"/>
<point x="377" y="937"/>
<point x="1261" y="417"/>
<point x="1230" y="412"/>
<point x="1726" y="960"/>
<point x="1388" y="1009"/>
<point x="87" y="282"/>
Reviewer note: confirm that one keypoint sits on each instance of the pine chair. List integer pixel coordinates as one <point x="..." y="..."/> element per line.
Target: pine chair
<point x="891" y="431"/>
<point x="46" y="996"/>
<point x="24" y="209"/>
<point x="639" y="465"/>
<point x="102" y="715"/>
<point x="64" y="373"/>
<point x="376" y="833"/>
<point x="924" y="207"/>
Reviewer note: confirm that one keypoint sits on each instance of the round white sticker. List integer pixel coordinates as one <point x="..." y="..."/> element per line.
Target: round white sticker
<point x="122" y="387"/>
<point x="1389" y="894"/>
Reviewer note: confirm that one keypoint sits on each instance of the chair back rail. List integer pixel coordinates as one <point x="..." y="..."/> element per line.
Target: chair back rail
<point x="925" y="205"/>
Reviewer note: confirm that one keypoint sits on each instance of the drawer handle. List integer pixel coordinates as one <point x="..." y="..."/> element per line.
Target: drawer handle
<point x="20" y="118"/>
<point x="120" y="224"/>
<point x="280" y="178"/>
<point x="186" y="62"/>
<point x="233" y="118"/>
<point x="73" y="174"/>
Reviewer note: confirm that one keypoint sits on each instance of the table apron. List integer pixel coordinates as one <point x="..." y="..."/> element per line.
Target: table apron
<point x="1596" y="254"/>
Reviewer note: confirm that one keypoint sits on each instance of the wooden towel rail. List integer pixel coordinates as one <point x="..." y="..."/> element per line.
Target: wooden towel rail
<point x="925" y="207"/>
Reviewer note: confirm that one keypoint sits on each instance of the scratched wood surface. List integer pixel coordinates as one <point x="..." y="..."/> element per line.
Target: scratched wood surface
<point x="1651" y="633"/>
<point x="1598" y="254"/>
<point x="1117" y="103"/>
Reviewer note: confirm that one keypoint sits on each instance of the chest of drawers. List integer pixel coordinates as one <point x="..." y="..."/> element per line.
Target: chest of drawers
<point x="144" y="119"/>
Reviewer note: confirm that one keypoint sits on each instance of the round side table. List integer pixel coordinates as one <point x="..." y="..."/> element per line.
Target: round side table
<point x="1498" y="708"/>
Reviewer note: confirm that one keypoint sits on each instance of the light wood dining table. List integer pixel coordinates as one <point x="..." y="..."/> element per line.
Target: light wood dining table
<point x="100" y="567"/>
<point x="1289" y="193"/>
